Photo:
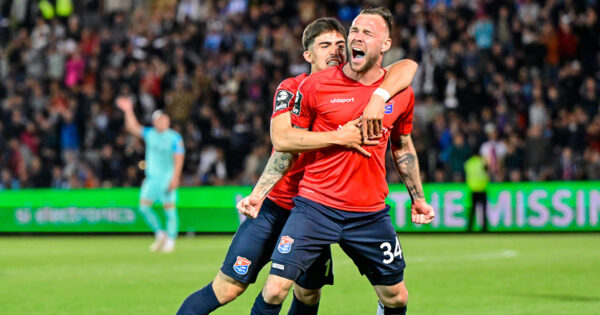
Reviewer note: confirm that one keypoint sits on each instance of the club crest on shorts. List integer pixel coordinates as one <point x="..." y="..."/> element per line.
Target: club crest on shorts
<point x="389" y="107"/>
<point x="285" y="244"/>
<point x="241" y="265"/>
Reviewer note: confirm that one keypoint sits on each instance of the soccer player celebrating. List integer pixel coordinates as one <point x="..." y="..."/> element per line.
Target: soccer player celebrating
<point x="251" y="248"/>
<point x="341" y="197"/>
<point x="164" y="161"/>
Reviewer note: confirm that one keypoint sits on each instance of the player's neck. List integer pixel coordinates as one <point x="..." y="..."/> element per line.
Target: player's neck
<point x="367" y="77"/>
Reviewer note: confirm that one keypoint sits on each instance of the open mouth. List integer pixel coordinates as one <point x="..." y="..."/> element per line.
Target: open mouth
<point x="334" y="61"/>
<point x="357" y="54"/>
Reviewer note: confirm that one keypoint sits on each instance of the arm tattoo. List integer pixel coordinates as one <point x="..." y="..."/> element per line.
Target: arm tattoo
<point x="408" y="166"/>
<point x="279" y="164"/>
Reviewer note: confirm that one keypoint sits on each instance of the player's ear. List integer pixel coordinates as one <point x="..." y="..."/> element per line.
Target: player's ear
<point x="307" y="56"/>
<point x="387" y="44"/>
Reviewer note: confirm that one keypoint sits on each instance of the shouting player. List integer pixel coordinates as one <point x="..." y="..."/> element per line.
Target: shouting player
<point x="164" y="161"/>
<point x="251" y="248"/>
<point x="341" y="197"/>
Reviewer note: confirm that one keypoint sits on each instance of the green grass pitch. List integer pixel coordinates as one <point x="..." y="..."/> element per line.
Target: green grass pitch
<point x="446" y="274"/>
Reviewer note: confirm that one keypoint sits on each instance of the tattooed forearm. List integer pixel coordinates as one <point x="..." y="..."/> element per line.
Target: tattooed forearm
<point x="406" y="162"/>
<point x="279" y="164"/>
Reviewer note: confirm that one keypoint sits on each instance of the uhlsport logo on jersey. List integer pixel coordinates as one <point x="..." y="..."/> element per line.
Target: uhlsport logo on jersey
<point x="285" y="244"/>
<point x="241" y="265"/>
<point x="389" y="107"/>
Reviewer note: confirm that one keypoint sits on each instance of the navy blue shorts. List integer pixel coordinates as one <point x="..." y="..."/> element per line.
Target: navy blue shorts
<point x="369" y="239"/>
<point x="254" y="242"/>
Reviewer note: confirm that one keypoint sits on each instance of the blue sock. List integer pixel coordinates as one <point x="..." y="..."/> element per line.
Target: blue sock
<point x="261" y="307"/>
<point x="394" y="311"/>
<point x="172" y="223"/>
<point x="200" y="302"/>
<point x="384" y="310"/>
<point x="150" y="218"/>
<point x="299" y="308"/>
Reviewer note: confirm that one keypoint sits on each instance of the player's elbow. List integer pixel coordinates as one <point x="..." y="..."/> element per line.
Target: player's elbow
<point x="279" y="143"/>
<point x="282" y="144"/>
<point x="412" y="64"/>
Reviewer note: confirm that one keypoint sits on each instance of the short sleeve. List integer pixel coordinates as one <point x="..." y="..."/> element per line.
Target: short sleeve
<point x="178" y="147"/>
<point x="283" y="101"/>
<point x="145" y="132"/>
<point x="404" y="123"/>
<point x="303" y="111"/>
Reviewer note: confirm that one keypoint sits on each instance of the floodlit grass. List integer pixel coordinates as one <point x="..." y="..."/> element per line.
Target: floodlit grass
<point x="446" y="274"/>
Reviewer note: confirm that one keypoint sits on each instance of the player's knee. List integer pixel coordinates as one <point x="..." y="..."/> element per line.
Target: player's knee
<point x="276" y="289"/>
<point x="306" y="296"/>
<point x="146" y="203"/>
<point x="394" y="296"/>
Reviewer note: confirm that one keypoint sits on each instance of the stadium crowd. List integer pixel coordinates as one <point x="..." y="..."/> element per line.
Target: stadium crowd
<point x="516" y="81"/>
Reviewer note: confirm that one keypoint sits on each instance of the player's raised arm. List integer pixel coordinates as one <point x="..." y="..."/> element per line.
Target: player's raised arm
<point x="398" y="77"/>
<point x="178" y="158"/>
<point x="287" y="138"/>
<point x="131" y="123"/>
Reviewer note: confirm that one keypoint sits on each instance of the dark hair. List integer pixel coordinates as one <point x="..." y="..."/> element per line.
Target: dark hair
<point x="318" y="27"/>
<point x="384" y="13"/>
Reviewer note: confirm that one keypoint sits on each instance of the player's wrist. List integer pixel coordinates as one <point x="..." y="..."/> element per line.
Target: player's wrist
<point x="419" y="201"/>
<point x="383" y="94"/>
<point x="337" y="138"/>
<point x="258" y="195"/>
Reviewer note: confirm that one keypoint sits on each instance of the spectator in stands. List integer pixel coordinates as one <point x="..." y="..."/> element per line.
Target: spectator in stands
<point x="529" y="68"/>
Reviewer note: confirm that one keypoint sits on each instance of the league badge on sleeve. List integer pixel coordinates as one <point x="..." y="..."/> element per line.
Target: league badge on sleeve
<point x="282" y="100"/>
<point x="285" y="244"/>
<point x="389" y="107"/>
<point x="241" y="265"/>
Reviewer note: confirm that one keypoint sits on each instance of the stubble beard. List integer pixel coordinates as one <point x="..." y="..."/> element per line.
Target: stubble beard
<point x="369" y="62"/>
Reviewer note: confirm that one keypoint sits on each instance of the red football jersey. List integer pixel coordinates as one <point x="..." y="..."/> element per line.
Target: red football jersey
<point x="287" y="188"/>
<point x="338" y="177"/>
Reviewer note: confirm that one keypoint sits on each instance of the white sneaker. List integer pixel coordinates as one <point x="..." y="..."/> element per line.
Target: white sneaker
<point x="159" y="241"/>
<point x="169" y="246"/>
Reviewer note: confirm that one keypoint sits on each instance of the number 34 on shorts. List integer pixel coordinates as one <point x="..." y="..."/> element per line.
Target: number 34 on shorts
<point x="387" y="251"/>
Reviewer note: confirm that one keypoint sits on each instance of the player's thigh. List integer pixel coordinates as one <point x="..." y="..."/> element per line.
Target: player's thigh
<point x="149" y="191"/>
<point x="253" y="243"/>
<point x="375" y="249"/>
<point x="307" y="233"/>
<point x="319" y="273"/>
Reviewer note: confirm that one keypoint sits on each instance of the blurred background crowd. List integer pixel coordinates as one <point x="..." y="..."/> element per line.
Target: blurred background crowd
<point x="516" y="81"/>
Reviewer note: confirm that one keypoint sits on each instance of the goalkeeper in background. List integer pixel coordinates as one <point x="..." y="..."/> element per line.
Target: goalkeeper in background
<point x="164" y="161"/>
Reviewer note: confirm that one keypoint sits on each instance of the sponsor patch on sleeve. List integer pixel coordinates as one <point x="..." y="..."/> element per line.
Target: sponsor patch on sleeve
<point x="297" y="104"/>
<point x="282" y="100"/>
